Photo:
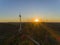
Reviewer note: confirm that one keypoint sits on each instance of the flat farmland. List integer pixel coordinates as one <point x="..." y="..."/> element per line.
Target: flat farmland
<point x="43" y="33"/>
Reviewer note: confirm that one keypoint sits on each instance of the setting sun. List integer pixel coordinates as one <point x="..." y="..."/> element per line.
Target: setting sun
<point x="36" y="20"/>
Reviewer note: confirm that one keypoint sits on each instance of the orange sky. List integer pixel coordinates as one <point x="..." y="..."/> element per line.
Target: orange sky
<point x="28" y="20"/>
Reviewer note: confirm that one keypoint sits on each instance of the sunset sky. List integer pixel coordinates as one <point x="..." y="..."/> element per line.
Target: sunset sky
<point x="47" y="10"/>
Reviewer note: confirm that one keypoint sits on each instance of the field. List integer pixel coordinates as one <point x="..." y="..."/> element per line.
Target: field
<point x="43" y="33"/>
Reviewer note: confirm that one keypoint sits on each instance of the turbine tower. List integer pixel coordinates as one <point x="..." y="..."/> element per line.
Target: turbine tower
<point x="20" y="23"/>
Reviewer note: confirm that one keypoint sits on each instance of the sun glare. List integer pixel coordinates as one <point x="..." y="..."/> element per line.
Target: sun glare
<point x="36" y="20"/>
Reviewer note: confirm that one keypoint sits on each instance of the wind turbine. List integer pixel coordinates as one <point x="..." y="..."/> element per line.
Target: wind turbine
<point x="20" y="31"/>
<point x="20" y="24"/>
